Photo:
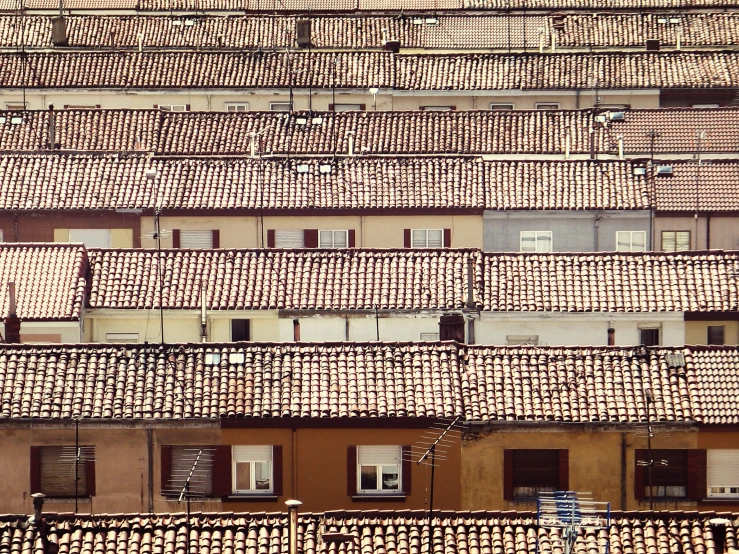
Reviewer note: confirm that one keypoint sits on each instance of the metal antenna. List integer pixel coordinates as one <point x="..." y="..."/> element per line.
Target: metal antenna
<point x="157" y="235"/>
<point x="572" y="511"/>
<point x="650" y="462"/>
<point x="192" y="475"/>
<point x="72" y="456"/>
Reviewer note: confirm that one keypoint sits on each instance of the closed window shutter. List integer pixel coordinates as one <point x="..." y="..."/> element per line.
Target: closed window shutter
<point x="196" y="239"/>
<point x="222" y="485"/>
<point x="406" y="238"/>
<point x="175" y="238"/>
<point x="351" y="470"/>
<point x="536" y="468"/>
<point x="165" y="464"/>
<point x="270" y="238"/>
<point x="187" y="107"/>
<point x="564" y="470"/>
<point x="447" y="238"/>
<point x="508" y="474"/>
<point x="35" y="469"/>
<point x="407" y="469"/>
<point x="696" y="486"/>
<point x="352" y="238"/>
<point x="91" y="489"/>
<point x="310" y="238"/>
<point x="289" y="238"/>
<point x="277" y="469"/>
<point x="639" y="474"/>
<point x="216" y="238"/>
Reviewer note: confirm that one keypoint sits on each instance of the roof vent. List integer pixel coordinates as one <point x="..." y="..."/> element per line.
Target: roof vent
<point x="301" y="121"/>
<point x="432" y="21"/>
<point x="236" y="358"/>
<point x="417" y="21"/>
<point x="189" y="22"/>
<point x="324" y="168"/>
<point x="652" y="45"/>
<point x="2" y="119"/>
<point x="600" y="118"/>
<point x="302" y="168"/>
<point x="176" y="23"/>
<point x="674" y="21"/>
<point x="16" y="120"/>
<point x="317" y="120"/>
<point x="662" y="20"/>
<point x="150" y="173"/>
<point x="640" y="170"/>
<point x="616" y="116"/>
<point x="664" y="170"/>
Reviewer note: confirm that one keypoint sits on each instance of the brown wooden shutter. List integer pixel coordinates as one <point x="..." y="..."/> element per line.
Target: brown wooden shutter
<point x="222" y="470"/>
<point x="639" y="474"/>
<point x="156" y="106"/>
<point x="447" y="238"/>
<point x="351" y="470"/>
<point x="310" y="238"/>
<point x="90" y="486"/>
<point x="187" y="107"/>
<point x="352" y="238"/>
<point x="407" y="468"/>
<point x="277" y="469"/>
<point x="564" y="470"/>
<point x="270" y="238"/>
<point x="508" y="474"/>
<point x="165" y="463"/>
<point x="175" y="238"/>
<point x="216" y="238"/>
<point x="406" y="238"/>
<point x="35" y="469"/>
<point x="696" y="486"/>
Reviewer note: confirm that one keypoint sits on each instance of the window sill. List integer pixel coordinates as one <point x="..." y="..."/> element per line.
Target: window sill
<point x="251" y="498"/>
<point x="66" y="499"/>
<point x="379" y="498"/>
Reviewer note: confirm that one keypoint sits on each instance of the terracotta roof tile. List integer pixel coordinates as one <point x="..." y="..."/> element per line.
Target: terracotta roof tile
<point x="228" y="70"/>
<point x="366" y="380"/>
<point x="708" y="187"/>
<point x="51" y="182"/>
<point x="49" y="280"/>
<point x="416" y="280"/>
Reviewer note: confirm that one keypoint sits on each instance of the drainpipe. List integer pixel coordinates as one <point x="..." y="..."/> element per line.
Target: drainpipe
<point x="150" y="461"/>
<point x="596" y="225"/>
<point x="708" y="231"/>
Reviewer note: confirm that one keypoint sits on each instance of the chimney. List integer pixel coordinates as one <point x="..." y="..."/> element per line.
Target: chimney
<point x="52" y="128"/>
<point x="296" y="330"/>
<point x="12" y="323"/>
<point x="38" y="504"/>
<point x="470" y="284"/>
<point x="718" y="530"/>
<point x="292" y="514"/>
<point x="611" y="336"/>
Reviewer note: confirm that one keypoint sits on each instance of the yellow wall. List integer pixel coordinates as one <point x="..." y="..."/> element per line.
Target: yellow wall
<point x="719" y="439"/>
<point x="696" y="332"/>
<point x="119" y="238"/>
<point x="594" y="460"/>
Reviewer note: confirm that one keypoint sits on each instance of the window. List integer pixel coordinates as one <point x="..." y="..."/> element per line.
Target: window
<point x="438" y="108"/>
<point x="723" y="473"/>
<point x="63" y="471"/>
<point x="649" y="336"/>
<point x="182" y="459"/>
<point x="333" y="239"/>
<point x="528" y="473"/>
<point x="346" y="107"/>
<point x="631" y="241"/>
<point x="16" y="106"/>
<point x="520" y="340"/>
<point x="279" y="106"/>
<point x="675" y="241"/>
<point x="236" y="106"/>
<point x="174" y="107"/>
<point x="427" y="238"/>
<point x="288" y="238"/>
<point x="252" y="469"/>
<point x="716" y="334"/>
<point x="536" y="241"/>
<point x="121" y="338"/>
<point x="81" y="107"/>
<point x="430" y="336"/>
<point x="379" y="469"/>
<point x="501" y="107"/>
<point x="547" y="105"/>
<point x="182" y="238"/>
<point x="91" y="238"/>
<point x="240" y="330"/>
<point x="675" y="474"/>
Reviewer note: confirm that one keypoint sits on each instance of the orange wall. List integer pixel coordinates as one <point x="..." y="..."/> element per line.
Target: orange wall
<point x="718" y="439"/>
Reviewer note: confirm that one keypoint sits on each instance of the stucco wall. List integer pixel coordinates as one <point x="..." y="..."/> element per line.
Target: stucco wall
<point x="696" y="332"/>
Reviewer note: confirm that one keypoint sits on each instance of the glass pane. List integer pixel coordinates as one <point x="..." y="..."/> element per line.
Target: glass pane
<point x="418" y="239"/>
<point x="436" y="238"/>
<point x="261" y="476"/>
<point x="340" y="239"/>
<point x="623" y="241"/>
<point x="715" y="334"/>
<point x="638" y="241"/>
<point x="390" y="478"/>
<point x="544" y="242"/>
<point x="668" y="241"/>
<point x="243" y="476"/>
<point x="326" y="239"/>
<point x="368" y="478"/>
<point x="528" y="241"/>
<point x="682" y="241"/>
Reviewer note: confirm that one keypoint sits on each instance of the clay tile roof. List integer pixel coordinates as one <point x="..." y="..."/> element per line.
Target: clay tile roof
<point x="707" y="187"/>
<point x="356" y="279"/>
<point x="714" y="384"/>
<point x="49" y="279"/>
<point x="104" y="182"/>
<point x="229" y="70"/>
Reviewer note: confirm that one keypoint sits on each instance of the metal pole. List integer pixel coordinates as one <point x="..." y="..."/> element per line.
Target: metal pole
<point x="377" y="320"/>
<point x="431" y="500"/>
<point x="161" y="275"/>
<point x="76" y="464"/>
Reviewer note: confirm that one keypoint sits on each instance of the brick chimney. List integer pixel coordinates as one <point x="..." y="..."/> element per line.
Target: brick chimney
<point x="12" y="323"/>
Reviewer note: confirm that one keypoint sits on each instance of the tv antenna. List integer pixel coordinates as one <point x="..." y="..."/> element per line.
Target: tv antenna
<point x="191" y="475"/>
<point x="435" y="443"/>
<point x="72" y="459"/>
<point x="650" y="462"/>
<point x="158" y="234"/>
<point x="571" y="511"/>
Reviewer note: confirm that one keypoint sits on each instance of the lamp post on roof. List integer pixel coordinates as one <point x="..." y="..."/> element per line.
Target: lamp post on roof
<point x="374" y="91"/>
<point x="292" y="529"/>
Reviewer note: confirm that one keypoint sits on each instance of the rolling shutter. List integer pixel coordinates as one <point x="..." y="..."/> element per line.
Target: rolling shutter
<point x="723" y="468"/>
<point x="196" y="239"/>
<point x="289" y="238"/>
<point x="351" y="470"/>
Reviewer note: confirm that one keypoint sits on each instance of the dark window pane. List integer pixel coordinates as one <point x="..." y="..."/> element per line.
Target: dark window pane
<point x="649" y="337"/>
<point x="715" y="334"/>
<point x="239" y="330"/>
<point x="368" y="478"/>
<point x="536" y="468"/>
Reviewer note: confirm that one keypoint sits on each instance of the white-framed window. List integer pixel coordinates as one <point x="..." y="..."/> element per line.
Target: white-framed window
<point x="649" y="335"/>
<point x="379" y="469"/>
<point x="520" y="340"/>
<point x="427" y="238"/>
<point x="498" y="107"/>
<point x="91" y="238"/>
<point x="236" y="106"/>
<point x="346" y="107"/>
<point x="174" y="107"/>
<point x="536" y="241"/>
<point x="279" y="106"/>
<point x="675" y="241"/>
<point x="547" y="105"/>
<point x="438" y="108"/>
<point x="196" y="239"/>
<point x="289" y="238"/>
<point x="121" y="338"/>
<point x="252" y="469"/>
<point x="722" y="473"/>
<point x="16" y="106"/>
<point x="631" y="241"/>
<point x="333" y="239"/>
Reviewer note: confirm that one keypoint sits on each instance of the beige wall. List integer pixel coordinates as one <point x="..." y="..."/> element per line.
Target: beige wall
<point x="696" y="332"/>
<point x="119" y="238"/>
<point x="681" y="224"/>
<point x="594" y="460"/>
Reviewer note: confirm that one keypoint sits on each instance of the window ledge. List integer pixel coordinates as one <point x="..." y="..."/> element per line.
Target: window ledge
<point x="251" y="498"/>
<point x="379" y="498"/>
<point x="193" y="499"/>
<point x="66" y="499"/>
